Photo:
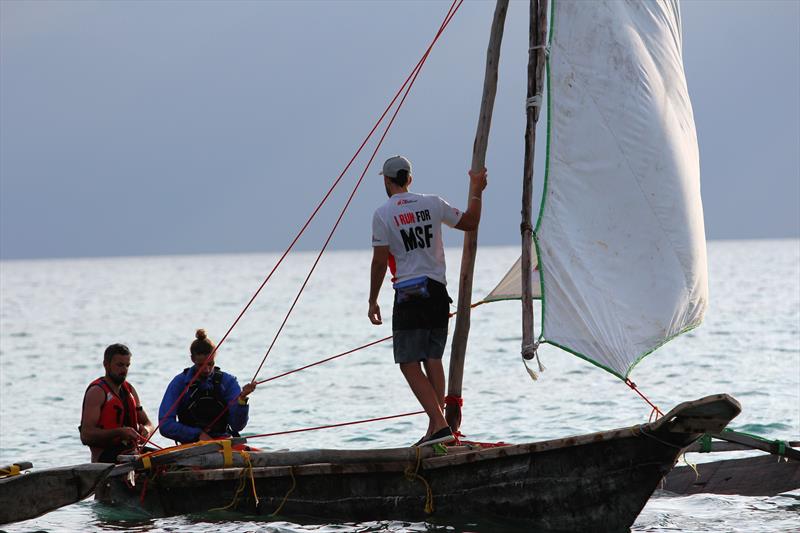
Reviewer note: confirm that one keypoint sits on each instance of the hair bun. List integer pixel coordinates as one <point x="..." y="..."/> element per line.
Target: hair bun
<point x="201" y="334"/>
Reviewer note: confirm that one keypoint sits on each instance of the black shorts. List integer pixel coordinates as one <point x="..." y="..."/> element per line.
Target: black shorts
<point x="420" y="326"/>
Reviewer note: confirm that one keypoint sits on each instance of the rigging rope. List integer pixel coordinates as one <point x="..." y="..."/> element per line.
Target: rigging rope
<point x="406" y="86"/>
<point x="656" y="410"/>
<point x="328" y="426"/>
<point x="451" y="12"/>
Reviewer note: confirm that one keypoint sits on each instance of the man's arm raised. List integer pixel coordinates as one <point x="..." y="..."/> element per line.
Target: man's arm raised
<point x="472" y="216"/>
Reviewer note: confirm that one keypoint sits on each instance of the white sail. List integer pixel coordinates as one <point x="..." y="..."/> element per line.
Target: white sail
<point x="620" y="236"/>
<point x="510" y="287"/>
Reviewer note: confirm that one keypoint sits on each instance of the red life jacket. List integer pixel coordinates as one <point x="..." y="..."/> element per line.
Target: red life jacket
<point x="117" y="411"/>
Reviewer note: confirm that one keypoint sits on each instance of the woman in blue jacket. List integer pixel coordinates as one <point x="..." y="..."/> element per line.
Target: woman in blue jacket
<point x="214" y="406"/>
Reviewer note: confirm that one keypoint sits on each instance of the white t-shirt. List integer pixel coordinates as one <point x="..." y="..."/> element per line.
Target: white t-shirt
<point x="410" y="225"/>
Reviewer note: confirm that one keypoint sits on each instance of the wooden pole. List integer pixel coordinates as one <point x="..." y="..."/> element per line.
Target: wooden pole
<point x="536" y="62"/>
<point x="461" y="333"/>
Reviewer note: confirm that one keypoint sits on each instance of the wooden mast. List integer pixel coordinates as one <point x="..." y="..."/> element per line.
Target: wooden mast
<point x="461" y="333"/>
<point x="536" y="63"/>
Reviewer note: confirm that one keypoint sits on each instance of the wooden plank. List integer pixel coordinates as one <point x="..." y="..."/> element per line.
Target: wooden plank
<point x="134" y="462"/>
<point x="717" y="447"/>
<point x="757" y="444"/>
<point x="763" y="475"/>
<point x="341" y="457"/>
<point x="181" y="478"/>
<point x="706" y="415"/>
<point x="461" y="333"/>
<point x="34" y="493"/>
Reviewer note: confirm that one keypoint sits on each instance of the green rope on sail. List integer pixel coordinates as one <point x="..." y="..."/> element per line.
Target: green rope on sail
<point x="781" y="447"/>
<point x="705" y="443"/>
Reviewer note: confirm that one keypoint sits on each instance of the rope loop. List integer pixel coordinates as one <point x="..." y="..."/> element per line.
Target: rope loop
<point x="286" y="496"/>
<point x="545" y="47"/>
<point x="533" y="101"/>
<point x="413" y="475"/>
<point x="454" y="400"/>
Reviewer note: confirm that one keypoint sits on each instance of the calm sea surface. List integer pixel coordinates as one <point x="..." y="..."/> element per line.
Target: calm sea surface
<point x="57" y="316"/>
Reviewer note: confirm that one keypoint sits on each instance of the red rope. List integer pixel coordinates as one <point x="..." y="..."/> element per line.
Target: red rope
<point x="333" y="425"/>
<point x="411" y="77"/>
<point x="324" y="360"/>
<point x="415" y="73"/>
<point x="453" y="400"/>
<point x="632" y="385"/>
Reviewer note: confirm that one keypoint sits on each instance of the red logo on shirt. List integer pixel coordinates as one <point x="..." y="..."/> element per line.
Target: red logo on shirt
<point x="404" y="202"/>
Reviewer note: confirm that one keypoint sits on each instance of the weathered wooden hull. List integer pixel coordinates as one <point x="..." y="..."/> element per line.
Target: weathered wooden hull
<point x="764" y="475"/>
<point x="32" y="494"/>
<point x="599" y="481"/>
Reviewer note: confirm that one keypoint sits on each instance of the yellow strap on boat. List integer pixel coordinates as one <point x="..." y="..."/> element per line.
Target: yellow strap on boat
<point x="147" y="463"/>
<point x="13" y="470"/>
<point x="227" y="453"/>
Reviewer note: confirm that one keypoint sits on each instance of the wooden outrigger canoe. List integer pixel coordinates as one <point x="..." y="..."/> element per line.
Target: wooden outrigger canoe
<point x="761" y="475"/>
<point x="598" y="481"/>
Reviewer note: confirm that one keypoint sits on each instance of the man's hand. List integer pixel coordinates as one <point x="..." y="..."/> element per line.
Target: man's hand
<point x="374" y="313"/>
<point x="143" y="431"/>
<point x="128" y="435"/>
<point x="247" y="389"/>
<point x="477" y="180"/>
<point x="204" y="436"/>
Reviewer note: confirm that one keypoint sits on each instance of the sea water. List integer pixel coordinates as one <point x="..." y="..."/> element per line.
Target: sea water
<point x="57" y="316"/>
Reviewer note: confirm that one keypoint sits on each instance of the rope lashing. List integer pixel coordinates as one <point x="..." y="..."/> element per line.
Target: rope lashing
<point x="409" y="81"/>
<point x="12" y="470"/>
<point x="781" y="447"/>
<point x="632" y="385"/>
<point x="236" y="494"/>
<point x="705" y="443"/>
<point x="533" y="101"/>
<point x="693" y="466"/>
<point x="454" y="400"/>
<point x="412" y="474"/>
<point x="545" y="47"/>
<point x="286" y="496"/>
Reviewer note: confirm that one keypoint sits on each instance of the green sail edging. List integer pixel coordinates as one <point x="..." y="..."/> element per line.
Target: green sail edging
<point x="632" y="365"/>
<point x="636" y="361"/>
<point x="543" y="297"/>
<point x="542" y="337"/>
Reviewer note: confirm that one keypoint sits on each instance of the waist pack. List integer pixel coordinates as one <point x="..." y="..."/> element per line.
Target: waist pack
<point x="412" y="289"/>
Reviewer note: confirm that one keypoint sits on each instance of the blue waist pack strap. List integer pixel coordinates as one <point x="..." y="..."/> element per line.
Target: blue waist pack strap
<point x="412" y="289"/>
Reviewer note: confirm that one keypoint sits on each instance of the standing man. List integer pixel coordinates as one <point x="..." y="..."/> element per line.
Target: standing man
<point x="407" y="236"/>
<point x="112" y="419"/>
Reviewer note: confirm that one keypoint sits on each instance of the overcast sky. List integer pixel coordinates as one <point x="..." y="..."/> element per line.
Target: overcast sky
<point x="138" y="128"/>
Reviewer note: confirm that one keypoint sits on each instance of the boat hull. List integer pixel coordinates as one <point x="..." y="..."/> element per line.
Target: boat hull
<point x="596" y="481"/>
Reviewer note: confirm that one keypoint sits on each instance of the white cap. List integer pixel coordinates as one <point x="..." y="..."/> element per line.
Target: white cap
<point x="395" y="164"/>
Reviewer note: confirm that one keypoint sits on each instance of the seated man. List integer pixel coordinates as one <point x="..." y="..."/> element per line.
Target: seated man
<point x="214" y="406"/>
<point x="112" y="419"/>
